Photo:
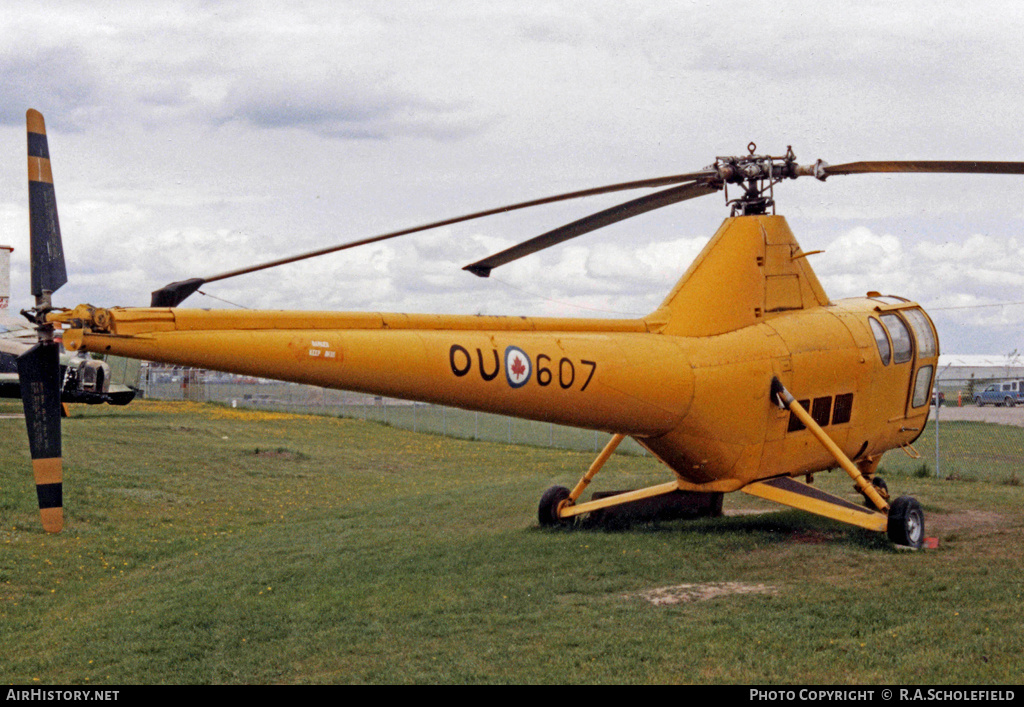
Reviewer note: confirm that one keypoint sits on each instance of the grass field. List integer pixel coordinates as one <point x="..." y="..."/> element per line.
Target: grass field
<point x="210" y="545"/>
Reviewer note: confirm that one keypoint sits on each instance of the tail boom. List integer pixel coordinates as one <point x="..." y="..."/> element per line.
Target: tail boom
<point x="549" y="370"/>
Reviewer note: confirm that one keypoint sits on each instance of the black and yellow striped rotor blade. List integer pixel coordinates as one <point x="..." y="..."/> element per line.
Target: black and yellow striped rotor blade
<point x="47" y="256"/>
<point x="39" y="367"/>
<point x="39" y="373"/>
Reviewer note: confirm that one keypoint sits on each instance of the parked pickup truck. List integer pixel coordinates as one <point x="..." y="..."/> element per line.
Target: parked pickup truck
<point x="1008" y="393"/>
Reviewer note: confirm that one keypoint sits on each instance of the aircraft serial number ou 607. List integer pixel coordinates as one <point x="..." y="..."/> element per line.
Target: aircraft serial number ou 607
<point x="520" y="368"/>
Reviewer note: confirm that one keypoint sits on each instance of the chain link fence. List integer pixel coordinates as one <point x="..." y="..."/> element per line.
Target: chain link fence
<point x="975" y="432"/>
<point x="258" y="394"/>
<point x="962" y="440"/>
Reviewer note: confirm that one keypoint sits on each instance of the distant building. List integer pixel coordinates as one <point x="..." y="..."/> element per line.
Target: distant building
<point x="5" y="275"/>
<point x="965" y="373"/>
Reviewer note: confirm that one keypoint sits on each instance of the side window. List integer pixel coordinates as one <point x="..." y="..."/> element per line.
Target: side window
<point x="922" y="331"/>
<point x="882" y="340"/>
<point x="821" y="409"/>
<point x="843" y="409"/>
<point x="902" y="348"/>
<point x="794" y="422"/>
<point x="922" y="384"/>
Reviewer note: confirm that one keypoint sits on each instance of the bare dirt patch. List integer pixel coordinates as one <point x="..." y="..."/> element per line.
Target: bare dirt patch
<point x="689" y="593"/>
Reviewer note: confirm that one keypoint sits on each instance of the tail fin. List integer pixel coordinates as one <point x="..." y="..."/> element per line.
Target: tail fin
<point x="751" y="270"/>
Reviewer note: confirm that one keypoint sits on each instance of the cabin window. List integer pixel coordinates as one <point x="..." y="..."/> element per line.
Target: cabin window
<point x="922" y="385"/>
<point x="843" y="409"/>
<point x="922" y="331"/>
<point x="821" y="411"/>
<point x="794" y="422"/>
<point x="902" y="347"/>
<point x="881" y="340"/>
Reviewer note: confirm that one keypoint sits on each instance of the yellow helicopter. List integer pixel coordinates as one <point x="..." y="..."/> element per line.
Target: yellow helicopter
<point x="746" y="378"/>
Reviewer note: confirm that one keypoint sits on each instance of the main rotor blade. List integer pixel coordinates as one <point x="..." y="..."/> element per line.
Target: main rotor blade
<point x="593" y="222"/>
<point x="47" y="253"/>
<point x="175" y="293"/>
<point x="39" y="375"/>
<point x="925" y="166"/>
<point x="639" y="184"/>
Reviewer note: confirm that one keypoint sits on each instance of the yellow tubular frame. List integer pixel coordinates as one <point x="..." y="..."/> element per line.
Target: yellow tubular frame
<point x="865" y="486"/>
<point x="568" y="507"/>
<point x="605" y="454"/>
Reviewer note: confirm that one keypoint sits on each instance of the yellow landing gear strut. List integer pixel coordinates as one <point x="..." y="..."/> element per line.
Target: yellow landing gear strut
<point x="903" y="520"/>
<point x="558" y="505"/>
<point x="863" y="485"/>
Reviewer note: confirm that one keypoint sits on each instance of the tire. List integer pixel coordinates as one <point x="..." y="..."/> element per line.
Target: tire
<point x="906" y="522"/>
<point x="977" y="401"/>
<point x="1008" y="402"/>
<point x="547" y="511"/>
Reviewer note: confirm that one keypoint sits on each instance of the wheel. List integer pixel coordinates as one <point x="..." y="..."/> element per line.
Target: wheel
<point x="906" y="522"/>
<point x="547" y="511"/>
<point x="883" y="488"/>
<point x="1008" y="402"/>
<point x="977" y="401"/>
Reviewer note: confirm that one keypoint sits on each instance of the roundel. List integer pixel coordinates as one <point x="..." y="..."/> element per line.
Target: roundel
<point x="517" y="367"/>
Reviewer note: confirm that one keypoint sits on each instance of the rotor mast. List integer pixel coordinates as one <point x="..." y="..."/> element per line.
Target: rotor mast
<point x="758" y="175"/>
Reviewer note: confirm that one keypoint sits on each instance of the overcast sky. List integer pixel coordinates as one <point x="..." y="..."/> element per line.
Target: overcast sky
<point x="190" y="138"/>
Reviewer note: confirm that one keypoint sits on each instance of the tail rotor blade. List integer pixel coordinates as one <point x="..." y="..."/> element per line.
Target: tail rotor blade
<point x="39" y="367"/>
<point x="48" y="270"/>
<point x="39" y="372"/>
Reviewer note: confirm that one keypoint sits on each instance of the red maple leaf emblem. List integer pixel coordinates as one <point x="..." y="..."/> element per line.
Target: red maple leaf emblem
<point x="518" y="368"/>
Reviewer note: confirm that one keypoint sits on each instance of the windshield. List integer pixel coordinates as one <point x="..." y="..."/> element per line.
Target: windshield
<point x="926" y="347"/>
<point x="881" y="340"/>
<point x="902" y="347"/>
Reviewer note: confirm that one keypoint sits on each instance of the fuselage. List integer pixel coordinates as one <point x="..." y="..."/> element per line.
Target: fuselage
<point x="691" y="382"/>
<point x="701" y="404"/>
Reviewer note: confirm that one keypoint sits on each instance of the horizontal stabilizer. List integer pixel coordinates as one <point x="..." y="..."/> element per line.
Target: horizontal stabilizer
<point x="790" y="492"/>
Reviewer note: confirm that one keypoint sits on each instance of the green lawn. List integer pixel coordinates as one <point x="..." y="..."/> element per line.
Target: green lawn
<point x="208" y="545"/>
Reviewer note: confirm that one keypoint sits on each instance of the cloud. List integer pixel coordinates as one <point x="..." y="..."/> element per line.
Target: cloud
<point x="61" y="81"/>
<point x="344" y="106"/>
<point x="201" y="136"/>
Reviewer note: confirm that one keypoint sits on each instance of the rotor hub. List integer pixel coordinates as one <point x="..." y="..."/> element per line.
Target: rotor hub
<point x="758" y="175"/>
